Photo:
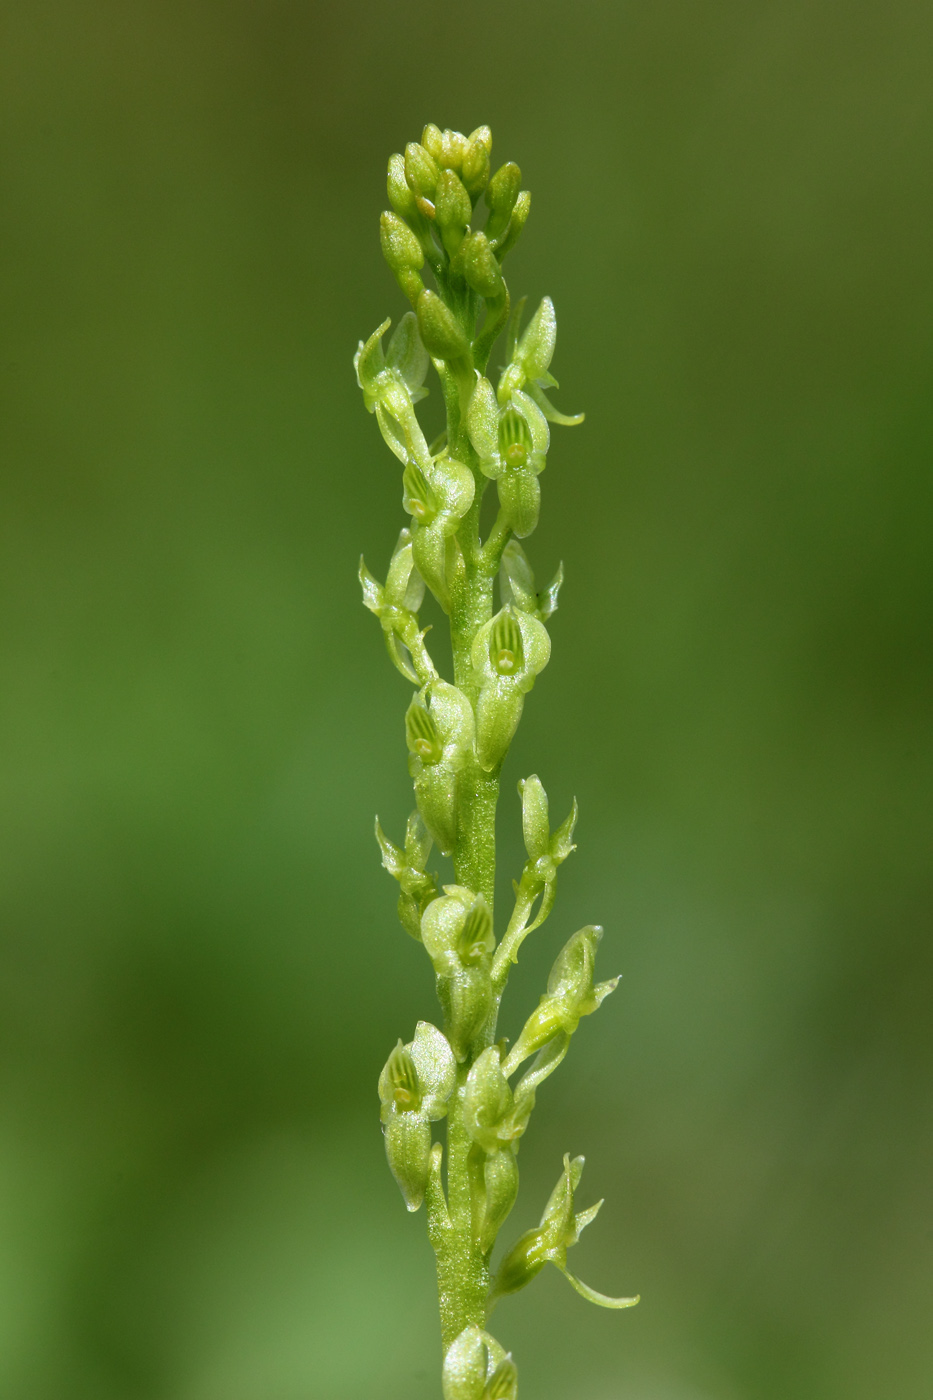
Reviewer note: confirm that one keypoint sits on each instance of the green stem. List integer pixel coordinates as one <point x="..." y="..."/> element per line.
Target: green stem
<point x="462" y="1274"/>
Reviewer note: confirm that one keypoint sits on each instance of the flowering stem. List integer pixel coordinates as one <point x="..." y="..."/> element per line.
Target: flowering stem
<point x="458" y="735"/>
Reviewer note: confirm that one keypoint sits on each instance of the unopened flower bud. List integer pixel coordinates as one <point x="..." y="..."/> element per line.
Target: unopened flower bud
<point x="482" y="136"/>
<point x="517" y="222"/>
<point x="421" y="171"/>
<point x="501" y="194"/>
<point x="452" y="210"/>
<point x="432" y="139"/>
<point x="439" y="329"/>
<point x="400" y="247"/>
<point x="475" y="170"/>
<point x="400" y="192"/>
<point x="480" y="267"/>
<point x="421" y="734"/>
<point x="506" y="651"/>
<point x="535" y="821"/>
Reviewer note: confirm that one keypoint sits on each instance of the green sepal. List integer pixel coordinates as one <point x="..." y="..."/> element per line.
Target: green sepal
<point x="408" y="1150"/>
<point x="520" y="501"/>
<point x="499" y="1191"/>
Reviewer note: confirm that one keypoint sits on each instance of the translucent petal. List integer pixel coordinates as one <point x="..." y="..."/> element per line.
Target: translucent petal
<point x="553" y="415"/>
<point x="406" y="353"/>
<point x="483" y="422"/>
<point x="590" y="1294"/>
<point x="437" y="1069"/>
<point x="536" y="348"/>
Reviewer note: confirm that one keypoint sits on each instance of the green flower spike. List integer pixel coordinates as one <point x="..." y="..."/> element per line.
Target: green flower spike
<point x="414" y="1088"/>
<point x="529" y="363"/>
<point x="439" y="733"/>
<point x="437" y="498"/>
<point x="560" y="1229"/>
<point x="508" y="654"/>
<point x="450" y="224"/>
<point x="511" y="442"/>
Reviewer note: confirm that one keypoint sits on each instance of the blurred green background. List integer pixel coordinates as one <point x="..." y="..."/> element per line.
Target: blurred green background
<point x="202" y="973"/>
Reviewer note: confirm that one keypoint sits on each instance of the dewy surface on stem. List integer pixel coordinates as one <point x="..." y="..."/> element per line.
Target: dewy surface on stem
<point x="453" y="219"/>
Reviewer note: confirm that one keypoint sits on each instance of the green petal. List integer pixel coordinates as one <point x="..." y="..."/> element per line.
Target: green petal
<point x="601" y="1300"/>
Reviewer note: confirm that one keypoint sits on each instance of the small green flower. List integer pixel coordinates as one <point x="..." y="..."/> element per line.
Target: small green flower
<point x="414" y="1087"/>
<point x="511" y="441"/>
<point x="392" y="384"/>
<point x="517" y="584"/>
<point x="529" y="363"/>
<point x="407" y="867"/>
<point x="439" y="733"/>
<point x="456" y="930"/>
<point x="571" y="994"/>
<point x="508" y="653"/>
<point x="559" y="1230"/>
<point x="437" y="498"/>
<point x="396" y="604"/>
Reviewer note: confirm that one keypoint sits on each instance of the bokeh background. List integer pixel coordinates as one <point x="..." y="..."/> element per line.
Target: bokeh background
<point x="202" y="973"/>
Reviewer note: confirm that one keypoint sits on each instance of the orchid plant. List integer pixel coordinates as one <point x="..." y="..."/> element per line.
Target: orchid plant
<point x="458" y="734"/>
